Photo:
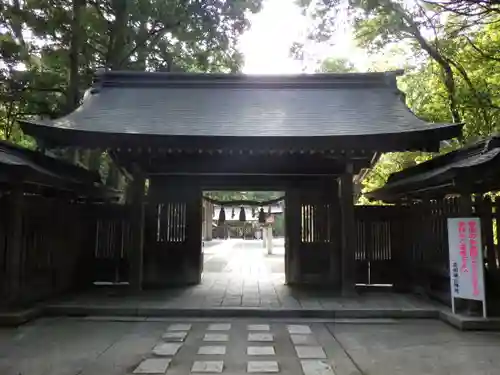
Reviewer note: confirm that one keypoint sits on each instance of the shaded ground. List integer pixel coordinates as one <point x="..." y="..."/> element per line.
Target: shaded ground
<point x="418" y="348"/>
<point x="96" y="346"/>
<point x="239" y="274"/>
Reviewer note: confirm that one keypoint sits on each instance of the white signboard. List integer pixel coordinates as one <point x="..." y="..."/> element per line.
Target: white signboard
<point x="466" y="260"/>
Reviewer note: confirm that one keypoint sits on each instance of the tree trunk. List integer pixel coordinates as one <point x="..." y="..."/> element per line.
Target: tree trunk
<point x="115" y="60"/>
<point x="73" y="93"/>
<point x="118" y="40"/>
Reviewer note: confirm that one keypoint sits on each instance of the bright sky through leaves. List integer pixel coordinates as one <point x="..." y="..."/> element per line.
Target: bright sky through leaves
<point x="266" y="46"/>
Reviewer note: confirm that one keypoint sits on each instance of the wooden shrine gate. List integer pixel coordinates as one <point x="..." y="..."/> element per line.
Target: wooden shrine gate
<point x="172" y="233"/>
<point x="172" y="238"/>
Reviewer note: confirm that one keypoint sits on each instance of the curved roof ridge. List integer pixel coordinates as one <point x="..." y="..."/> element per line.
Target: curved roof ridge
<point x="127" y="78"/>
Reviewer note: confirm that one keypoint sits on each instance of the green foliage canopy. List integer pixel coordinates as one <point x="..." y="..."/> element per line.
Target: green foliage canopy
<point x="454" y="46"/>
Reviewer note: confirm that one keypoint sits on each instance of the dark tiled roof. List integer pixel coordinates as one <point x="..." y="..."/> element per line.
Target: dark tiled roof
<point x="33" y="166"/>
<point x="218" y="105"/>
<point x="443" y="174"/>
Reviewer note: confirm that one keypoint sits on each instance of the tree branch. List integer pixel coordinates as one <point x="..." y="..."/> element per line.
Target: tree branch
<point x="480" y="51"/>
<point x="152" y="34"/>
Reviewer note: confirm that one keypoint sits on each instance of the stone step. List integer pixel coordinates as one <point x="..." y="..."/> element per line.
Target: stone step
<point x="234" y="312"/>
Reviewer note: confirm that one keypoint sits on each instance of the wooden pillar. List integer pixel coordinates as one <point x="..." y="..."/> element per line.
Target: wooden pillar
<point x="269" y="240"/>
<point x="293" y="235"/>
<point x="208" y="221"/>
<point x="15" y="245"/>
<point x="332" y="217"/>
<point x="204" y="205"/>
<point x="348" y="234"/>
<point x="138" y="216"/>
<point x="400" y="249"/>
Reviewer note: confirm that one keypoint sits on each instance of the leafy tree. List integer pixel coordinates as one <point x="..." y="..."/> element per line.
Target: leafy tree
<point x="454" y="53"/>
<point x="244" y="195"/>
<point x="336" y="65"/>
<point x="50" y="49"/>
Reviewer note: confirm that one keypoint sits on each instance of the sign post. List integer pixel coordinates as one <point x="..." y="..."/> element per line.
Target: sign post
<point x="466" y="260"/>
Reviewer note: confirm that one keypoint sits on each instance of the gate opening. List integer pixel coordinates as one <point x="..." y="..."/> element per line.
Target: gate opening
<point x="243" y="237"/>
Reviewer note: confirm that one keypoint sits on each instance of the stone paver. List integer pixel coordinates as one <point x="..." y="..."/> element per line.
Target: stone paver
<point x="212" y="350"/>
<point x="298" y="329"/>
<point x="262" y="366"/>
<point x="307" y="352"/>
<point x="153" y="366"/>
<point x="207" y="366"/>
<point x="263" y="337"/>
<point x="303" y="339"/>
<point x="166" y="349"/>
<point x="311" y="367"/>
<point x="174" y="336"/>
<point x="261" y="350"/>
<point x="219" y="327"/>
<point x="258" y="327"/>
<point x="179" y="327"/>
<point x="217" y="337"/>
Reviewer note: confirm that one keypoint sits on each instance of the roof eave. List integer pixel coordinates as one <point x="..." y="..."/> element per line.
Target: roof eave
<point x="418" y="140"/>
<point x="456" y="178"/>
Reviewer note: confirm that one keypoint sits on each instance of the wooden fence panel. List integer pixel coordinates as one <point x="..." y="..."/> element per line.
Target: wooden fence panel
<point x="428" y="240"/>
<point x="375" y="237"/>
<point x="62" y="245"/>
<point x="112" y="239"/>
<point x="52" y="240"/>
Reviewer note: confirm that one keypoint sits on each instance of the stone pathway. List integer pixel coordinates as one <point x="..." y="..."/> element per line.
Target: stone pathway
<point x="240" y="348"/>
<point x="245" y="259"/>
<point x="129" y="346"/>
<point x="240" y="273"/>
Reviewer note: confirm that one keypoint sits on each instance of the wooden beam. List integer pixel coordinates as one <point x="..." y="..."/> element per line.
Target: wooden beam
<point x="239" y="164"/>
<point x="238" y="182"/>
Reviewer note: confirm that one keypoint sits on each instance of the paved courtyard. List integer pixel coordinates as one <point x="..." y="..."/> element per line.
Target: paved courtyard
<point x="238" y="274"/>
<point x="126" y="346"/>
<point x="245" y="260"/>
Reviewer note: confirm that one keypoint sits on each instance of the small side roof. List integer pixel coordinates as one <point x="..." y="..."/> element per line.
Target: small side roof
<point x="19" y="164"/>
<point x="471" y="169"/>
<point x="360" y="110"/>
